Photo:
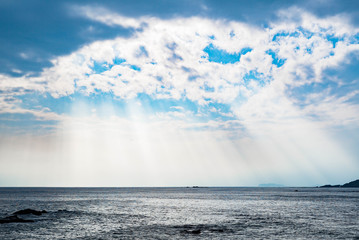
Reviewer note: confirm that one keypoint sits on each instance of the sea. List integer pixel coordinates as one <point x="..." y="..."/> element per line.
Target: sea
<point x="182" y="213"/>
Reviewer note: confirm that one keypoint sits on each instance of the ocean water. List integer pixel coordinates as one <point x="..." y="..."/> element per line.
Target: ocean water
<point x="182" y="213"/>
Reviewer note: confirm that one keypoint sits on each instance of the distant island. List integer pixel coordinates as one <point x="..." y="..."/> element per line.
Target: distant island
<point x="353" y="184"/>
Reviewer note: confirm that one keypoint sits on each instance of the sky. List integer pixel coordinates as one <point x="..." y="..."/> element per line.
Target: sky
<point x="178" y="93"/>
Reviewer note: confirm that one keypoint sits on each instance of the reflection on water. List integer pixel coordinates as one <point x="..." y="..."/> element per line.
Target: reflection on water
<point x="182" y="213"/>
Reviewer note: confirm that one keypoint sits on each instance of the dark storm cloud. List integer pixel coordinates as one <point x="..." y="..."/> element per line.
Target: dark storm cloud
<point x="34" y="32"/>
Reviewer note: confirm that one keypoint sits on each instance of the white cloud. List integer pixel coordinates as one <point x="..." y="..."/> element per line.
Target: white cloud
<point x="174" y="54"/>
<point x="105" y="16"/>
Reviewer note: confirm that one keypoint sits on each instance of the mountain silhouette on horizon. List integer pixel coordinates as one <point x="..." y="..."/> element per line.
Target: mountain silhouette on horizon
<point x="352" y="184"/>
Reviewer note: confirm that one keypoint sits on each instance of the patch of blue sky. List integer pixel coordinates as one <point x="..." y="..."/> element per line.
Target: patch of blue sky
<point x="106" y="104"/>
<point x="276" y="60"/>
<point x="334" y="39"/>
<point x="136" y="68"/>
<point x="37" y="129"/>
<point x="36" y="101"/>
<point x="279" y="35"/>
<point x="346" y="73"/>
<point x="240" y="99"/>
<point x="306" y="33"/>
<point x="336" y="82"/>
<point x="208" y="88"/>
<point x="253" y="75"/>
<point x="118" y="61"/>
<point x="309" y="50"/>
<point x="186" y="69"/>
<point x="346" y="78"/>
<point x="193" y="77"/>
<point x="172" y="46"/>
<point x="218" y="111"/>
<point x="218" y="55"/>
<point x="210" y="111"/>
<point x="26" y="119"/>
<point x="175" y="57"/>
<point x="354" y="39"/>
<point x="24" y="122"/>
<point x="300" y="31"/>
<point x="100" y="67"/>
<point x="101" y="101"/>
<point x="165" y="105"/>
<point x="143" y="52"/>
<point x="159" y="78"/>
<point x="65" y="105"/>
<point x="301" y="93"/>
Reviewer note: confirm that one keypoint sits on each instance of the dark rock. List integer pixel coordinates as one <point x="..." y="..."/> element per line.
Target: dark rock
<point x="196" y="231"/>
<point x="352" y="184"/>
<point x="29" y="211"/>
<point x="14" y="219"/>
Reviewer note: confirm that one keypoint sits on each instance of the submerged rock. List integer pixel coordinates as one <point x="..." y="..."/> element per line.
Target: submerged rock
<point x="13" y="219"/>
<point x="29" y="211"/>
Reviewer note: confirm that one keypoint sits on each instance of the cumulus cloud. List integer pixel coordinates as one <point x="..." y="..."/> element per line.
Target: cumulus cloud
<point x="166" y="59"/>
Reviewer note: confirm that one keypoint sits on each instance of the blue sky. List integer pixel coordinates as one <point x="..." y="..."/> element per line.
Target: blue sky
<point x="216" y="93"/>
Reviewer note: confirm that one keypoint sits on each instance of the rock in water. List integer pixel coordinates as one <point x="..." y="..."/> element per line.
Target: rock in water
<point x="13" y="219"/>
<point x="196" y="231"/>
<point x="29" y="211"/>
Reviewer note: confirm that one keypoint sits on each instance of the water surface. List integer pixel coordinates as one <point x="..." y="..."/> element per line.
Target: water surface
<point x="182" y="213"/>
